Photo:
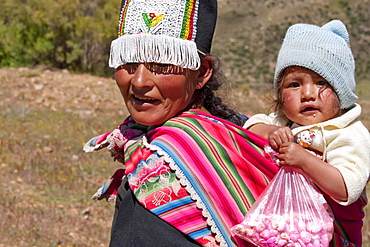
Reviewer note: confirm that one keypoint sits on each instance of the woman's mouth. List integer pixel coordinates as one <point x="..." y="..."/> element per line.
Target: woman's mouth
<point x="142" y="100"/>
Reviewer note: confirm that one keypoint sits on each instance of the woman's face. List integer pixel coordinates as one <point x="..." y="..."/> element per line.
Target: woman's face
<point x="154" y="93"/>
<point x="307" y="98"/>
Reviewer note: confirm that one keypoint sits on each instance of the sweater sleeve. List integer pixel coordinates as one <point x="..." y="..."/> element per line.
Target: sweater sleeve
<point x="348" y="150"/>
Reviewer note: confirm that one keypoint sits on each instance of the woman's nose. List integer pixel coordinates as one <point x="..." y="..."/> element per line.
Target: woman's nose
<point x="142" y="77"/>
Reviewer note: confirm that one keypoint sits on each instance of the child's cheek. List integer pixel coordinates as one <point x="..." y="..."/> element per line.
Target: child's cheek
<point x="288" y="99"/>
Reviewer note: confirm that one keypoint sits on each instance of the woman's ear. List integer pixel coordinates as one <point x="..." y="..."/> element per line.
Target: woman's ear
<point x="205" y="72"/>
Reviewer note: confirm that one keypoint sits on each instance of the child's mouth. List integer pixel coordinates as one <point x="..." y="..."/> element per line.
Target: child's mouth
<point x="309" y="109"/>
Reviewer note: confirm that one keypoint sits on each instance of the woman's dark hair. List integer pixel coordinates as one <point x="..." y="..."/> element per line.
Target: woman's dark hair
<point x="213" y="103"/>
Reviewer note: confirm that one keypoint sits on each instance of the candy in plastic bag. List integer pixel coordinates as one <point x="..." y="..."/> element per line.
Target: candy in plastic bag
<point x="290" y="212"/>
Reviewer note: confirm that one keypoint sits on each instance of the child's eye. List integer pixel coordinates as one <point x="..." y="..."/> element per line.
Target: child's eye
<point x="294" y="84"/>
<point x="322" y="83"/>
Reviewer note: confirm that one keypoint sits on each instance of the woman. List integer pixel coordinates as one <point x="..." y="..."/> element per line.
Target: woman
<point x="190" y="171"/>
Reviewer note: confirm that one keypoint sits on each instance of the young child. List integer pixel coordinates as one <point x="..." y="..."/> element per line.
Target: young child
<point x="315" y="111"/>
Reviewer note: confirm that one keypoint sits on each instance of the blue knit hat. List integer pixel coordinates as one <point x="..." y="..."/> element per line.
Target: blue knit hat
<point x="325" y="50"/>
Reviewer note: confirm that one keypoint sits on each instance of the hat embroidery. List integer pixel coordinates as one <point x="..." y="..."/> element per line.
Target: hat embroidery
<point x="152" y="20"/>
<point x="180" y="22"/>
<point x="160" y="31"/>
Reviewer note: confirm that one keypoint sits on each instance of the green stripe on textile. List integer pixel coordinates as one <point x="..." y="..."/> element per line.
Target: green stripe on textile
<point x="254" y="146"/>
<point x="198" y="131"/>
<point x="132" y="148"/>
<point x="337" y="241"/>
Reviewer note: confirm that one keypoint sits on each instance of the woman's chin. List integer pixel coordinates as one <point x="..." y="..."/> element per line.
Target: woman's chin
<point x="148" y="118"/>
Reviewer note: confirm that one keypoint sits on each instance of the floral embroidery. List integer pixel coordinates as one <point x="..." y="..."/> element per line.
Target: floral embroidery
<point x="152" y="19"/>
<point x="153" y="177"/>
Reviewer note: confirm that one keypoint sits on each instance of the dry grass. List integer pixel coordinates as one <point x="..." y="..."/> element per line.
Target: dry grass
<point x="46" y="179"/>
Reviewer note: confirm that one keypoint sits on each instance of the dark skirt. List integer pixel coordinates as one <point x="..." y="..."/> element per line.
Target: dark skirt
<point x="135" y="226"/>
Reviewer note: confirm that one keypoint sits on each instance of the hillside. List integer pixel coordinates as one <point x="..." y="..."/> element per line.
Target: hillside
<point x="249" y="34"/>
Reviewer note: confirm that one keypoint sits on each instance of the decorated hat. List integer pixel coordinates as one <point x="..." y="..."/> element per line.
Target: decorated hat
<point x="325" y="50"/>
<point x="164" y="31"/>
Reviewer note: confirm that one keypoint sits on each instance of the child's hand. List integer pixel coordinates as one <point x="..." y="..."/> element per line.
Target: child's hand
<point x="292" y="154"/>
<point x="280" y="135"/>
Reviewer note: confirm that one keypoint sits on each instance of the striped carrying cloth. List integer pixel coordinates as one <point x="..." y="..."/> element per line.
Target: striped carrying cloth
<point x="192" y="162"/>
<point x="222" y="166"/>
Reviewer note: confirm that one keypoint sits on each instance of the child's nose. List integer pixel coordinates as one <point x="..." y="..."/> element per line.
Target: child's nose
<point x="308" y="92"/>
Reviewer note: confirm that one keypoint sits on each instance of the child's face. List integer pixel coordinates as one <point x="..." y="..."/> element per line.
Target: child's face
<point x="307" y="98"/>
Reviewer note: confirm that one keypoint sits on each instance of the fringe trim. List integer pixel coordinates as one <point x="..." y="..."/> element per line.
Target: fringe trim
<point x="193" y="194"/>
<point x="100" y="196"/>
<point x="149" y="48"/>
<point x="88" y="148"/>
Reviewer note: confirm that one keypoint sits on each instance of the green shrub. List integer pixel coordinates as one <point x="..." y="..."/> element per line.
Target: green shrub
<point x="68" y="34"/>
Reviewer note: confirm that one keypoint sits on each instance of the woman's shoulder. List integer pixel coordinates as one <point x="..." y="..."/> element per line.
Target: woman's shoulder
<point x="194" y="117"/>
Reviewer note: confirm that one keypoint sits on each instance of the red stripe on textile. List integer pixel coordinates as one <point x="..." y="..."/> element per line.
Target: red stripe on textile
<point x="191" y="21"/>
<point x="220" y="135"/>
<point x="122" y="19"/>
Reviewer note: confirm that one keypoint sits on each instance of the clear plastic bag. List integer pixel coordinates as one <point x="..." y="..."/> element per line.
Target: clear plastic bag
<point x="290" y="212"/>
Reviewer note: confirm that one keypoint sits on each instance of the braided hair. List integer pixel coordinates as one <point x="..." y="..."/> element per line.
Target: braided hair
<point x="214" y="103"/>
